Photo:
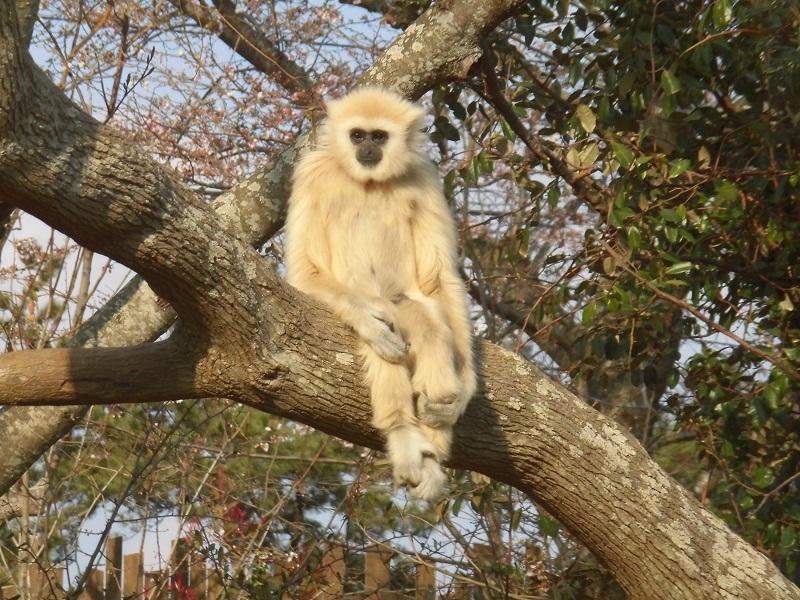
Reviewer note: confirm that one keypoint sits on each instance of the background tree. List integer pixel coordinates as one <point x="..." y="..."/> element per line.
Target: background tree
<point x="626" y="180"/>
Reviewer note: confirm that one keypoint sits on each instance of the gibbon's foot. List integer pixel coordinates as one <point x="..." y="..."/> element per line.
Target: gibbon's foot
<point x="433" y="485"/>
<point x="414" y="463"/>
<point x="438" y="414"/>
<point x="441" y="386"/>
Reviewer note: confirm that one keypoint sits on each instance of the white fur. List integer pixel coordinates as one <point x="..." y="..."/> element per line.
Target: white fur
<point x="378" y="245"/>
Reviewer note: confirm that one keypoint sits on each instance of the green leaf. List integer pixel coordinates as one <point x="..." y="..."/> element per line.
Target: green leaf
<point x="721" y="14"/>
<point x="623" y="153"/>
<point x="507" y="131"/>
<point x="788" y="537"/>
<point x="667" y="107"/>
<point x="626" y="83"/>
<point x="470" y="173"/>
<point x="588" y="313"/>
<point x="786" y="305"/>
<point x="670" y="83"/>
<point x="681" y="267"/>
<point x="457" y="504"/>
<point x="762" y="477"/>
<point x="586" y="117"/>
<point x="548" y="526"/>
<point x="678" y="167"/>
<point x="726" y="190"/>
<point x="634" y="238"/>
<point x="553" y="196"/>
<point x="581" y="20"/>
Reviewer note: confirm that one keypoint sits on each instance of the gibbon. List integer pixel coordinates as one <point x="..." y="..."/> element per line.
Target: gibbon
<point x="369" y="233"/>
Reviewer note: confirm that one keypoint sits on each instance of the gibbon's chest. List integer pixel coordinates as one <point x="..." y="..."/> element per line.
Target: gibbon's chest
<point x="371" y="240"/>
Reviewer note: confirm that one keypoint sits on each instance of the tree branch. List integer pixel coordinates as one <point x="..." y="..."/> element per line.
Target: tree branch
<point x="397" y="14"/>
<point x="254" y="210"/>
<point x="523" y="429"/>
<point x="11" y="505"/>
<point x="251" y="44"/>
<point x="59" y="376"/>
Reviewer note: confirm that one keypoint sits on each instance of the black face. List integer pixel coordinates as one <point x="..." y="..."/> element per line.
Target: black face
<point x="368" y="145"/>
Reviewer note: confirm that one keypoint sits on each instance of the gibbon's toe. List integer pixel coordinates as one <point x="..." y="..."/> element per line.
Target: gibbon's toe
<point x="437" y="413"/>
<point x="433" y="483"/>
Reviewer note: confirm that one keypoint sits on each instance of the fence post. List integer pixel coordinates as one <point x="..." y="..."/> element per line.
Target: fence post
<point x="425" y="582"/>
<point x="133" y="575"/>
<point x="114" y="568"/>
<point x="333" y="572"/>
<point x="197" y="575"/>
<point x="93" y="590"/>
<point x="215" y="588"/>
<point x="376" y="573"/>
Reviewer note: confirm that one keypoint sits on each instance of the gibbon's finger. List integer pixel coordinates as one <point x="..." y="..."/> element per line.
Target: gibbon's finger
<point x="381" y="316"/>
<point x="389" y="346"/>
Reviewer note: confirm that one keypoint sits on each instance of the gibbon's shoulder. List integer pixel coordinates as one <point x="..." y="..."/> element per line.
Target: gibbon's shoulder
<point x="314" y="167"/>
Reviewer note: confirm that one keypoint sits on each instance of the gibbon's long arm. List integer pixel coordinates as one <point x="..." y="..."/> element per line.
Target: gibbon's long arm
<point x="371" y="317"/>
<point x="306" y="250"/>
<point x="436" y="252"/>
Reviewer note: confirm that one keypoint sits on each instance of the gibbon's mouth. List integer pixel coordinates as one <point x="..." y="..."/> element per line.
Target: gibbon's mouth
<point x="369" y="163"/>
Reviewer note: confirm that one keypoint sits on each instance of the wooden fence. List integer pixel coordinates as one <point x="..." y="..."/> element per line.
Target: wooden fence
<point x="124" y="578"/>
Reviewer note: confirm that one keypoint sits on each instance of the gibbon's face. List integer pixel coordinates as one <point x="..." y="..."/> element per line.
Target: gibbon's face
<point x="374" y="134"/>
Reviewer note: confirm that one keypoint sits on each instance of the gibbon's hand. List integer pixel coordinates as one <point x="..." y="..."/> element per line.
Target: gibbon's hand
<point x="377" y="327"/>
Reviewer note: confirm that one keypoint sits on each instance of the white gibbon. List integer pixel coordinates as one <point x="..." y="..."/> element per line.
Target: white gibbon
<point x="369" y="233"/>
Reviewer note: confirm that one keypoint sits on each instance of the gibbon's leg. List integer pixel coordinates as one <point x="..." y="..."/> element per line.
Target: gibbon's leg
<point x="440" y="437"/>
<point x="440" y="390"/>
<point x="413" y="457"/>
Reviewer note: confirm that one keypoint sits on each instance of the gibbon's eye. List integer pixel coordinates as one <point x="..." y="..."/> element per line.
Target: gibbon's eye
<point x="357" y="136"/>
<point x="379" y="136"/>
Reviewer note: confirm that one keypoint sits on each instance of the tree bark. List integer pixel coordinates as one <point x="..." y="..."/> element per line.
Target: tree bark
<point x="255" y="339"/>
<point x="253" y="210"/>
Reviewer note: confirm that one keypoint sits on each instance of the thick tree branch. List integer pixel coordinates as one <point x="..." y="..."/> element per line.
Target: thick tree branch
<point x="242" y="37"/>
<point x="284" y="354"/>
<point x="58" y="376"/>
<point x="132" y="316"/>
<point x="83" y="178"/>
<point x="254" y="210"/>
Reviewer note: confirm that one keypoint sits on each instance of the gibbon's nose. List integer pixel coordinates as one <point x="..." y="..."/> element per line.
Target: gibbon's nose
<point x="369" y="154"/>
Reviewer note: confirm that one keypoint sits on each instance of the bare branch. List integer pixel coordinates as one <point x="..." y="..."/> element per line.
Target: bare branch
<point x="11" y="505"/>
<point x="241" y="36"/>
<point x="397" y="14"/>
